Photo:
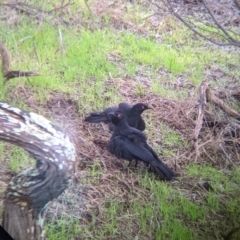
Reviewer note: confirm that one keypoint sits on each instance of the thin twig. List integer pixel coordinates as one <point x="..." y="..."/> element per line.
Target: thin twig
<point x="171" y="10"/>
<point x="6" y="70"/>
<point x="199" y="121"/>
<point x="214" y="99"/>
<point x="216" y="22"/>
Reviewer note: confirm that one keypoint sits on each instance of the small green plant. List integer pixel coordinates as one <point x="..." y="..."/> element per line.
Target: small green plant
<point x="63" y="229"/>
<point x="191" y="210"/>
<point x="140" y="89"/>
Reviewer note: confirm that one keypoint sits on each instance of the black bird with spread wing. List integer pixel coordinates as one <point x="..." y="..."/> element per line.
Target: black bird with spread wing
<point x="132" y="114"/>
<point x="129" y="143"/>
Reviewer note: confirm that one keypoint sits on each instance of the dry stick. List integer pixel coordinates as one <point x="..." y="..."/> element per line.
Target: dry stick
<point x="222" y="93"/>
<point x="187" y="24"/>
<point x="229" y="38"/>
<point x="29" y="9"/>
<point x="214" y="99"/>
<point x="18" y="73"/>
<point x="5" y="59"/>
<point x="199" y="121"/>
<point x="207" y="95"/>
<point x="208" y="155"/>
<point x="6" y="71"/>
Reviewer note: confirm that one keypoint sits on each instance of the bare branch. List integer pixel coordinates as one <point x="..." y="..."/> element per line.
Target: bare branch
<point x="17" y="73"/>
<point x="6" y="71"/>
<point x="5" y="59"/>
<point x="35" y="11"/>
<point x="214" y="99"/>
<point x="231" y="41"/>
<point x="216" y="22"/>
<point x="199" y="122"/>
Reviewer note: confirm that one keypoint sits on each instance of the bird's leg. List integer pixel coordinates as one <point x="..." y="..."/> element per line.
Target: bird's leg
<point x="136" y="163"/>
<point x="147" y="165"/>
<point x="129" y="163"/>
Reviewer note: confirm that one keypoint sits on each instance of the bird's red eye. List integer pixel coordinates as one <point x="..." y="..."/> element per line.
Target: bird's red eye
<point x="142" y="107"/>
<point x="119" y="115"/>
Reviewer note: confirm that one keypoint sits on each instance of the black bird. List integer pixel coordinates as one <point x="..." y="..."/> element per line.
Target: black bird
<point x="132" y="114"/>
<point x="4" y="234"/>
<point x="129" y="143"/>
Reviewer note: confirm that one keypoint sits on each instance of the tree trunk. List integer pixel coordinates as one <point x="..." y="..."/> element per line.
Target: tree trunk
<point x="28" y="193"/>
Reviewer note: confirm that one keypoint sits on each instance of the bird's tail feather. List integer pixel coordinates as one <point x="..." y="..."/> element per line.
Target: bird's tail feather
<point x="97" y="117"/>
<point x="163" y="170"/>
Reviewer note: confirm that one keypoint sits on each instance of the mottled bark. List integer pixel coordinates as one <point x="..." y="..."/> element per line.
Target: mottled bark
<point x="29" y="192"/>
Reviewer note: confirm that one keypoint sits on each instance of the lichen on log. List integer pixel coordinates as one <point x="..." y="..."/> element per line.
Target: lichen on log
<point x="29" y="192"/>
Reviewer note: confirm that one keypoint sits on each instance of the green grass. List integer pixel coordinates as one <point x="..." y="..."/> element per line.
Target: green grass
<point x="62" y="229"/>
<point x="172" y="141"/>
<point x="18" y="159"/>
<point x="225" y="184"/>
<point x="81" y="65"/>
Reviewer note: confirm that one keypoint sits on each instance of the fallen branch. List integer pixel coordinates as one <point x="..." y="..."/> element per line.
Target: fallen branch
<point x="199" y="122"/>
<point x="17" y="73"/>
<point x="214" y="99"/>
<point x="29" y="192"/>
<point x="223" y="93"/>
<point x="6" y="70"/>
<point x="206" y="95"/>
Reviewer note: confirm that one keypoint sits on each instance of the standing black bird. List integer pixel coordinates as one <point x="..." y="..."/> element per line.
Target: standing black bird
<point x="132" y="114"/>
<point x="4" y="234"/>
<point x="129" y="143"/>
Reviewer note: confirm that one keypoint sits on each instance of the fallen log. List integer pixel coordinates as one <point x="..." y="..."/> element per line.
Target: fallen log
<point x="29" y="193"/>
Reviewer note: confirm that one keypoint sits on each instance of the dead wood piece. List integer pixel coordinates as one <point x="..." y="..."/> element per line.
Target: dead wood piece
<point x="199" y="122"/>
<point x="223" y="93"/>
<point x="13" y="74"/>
<point x="6" y="71"/>
<point x="5" y="59"/>
<point x="211" y="97"/>
<point x="204" y="118"/>
<point x="29" y="192"/>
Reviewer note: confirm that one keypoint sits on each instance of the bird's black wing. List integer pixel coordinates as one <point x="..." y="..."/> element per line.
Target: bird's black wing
<point x="4" y="234"/>
<point x="145" y="153"/>
<point x="97" y="117"/>
<point x="124" y="107"/>
<point x="141" y="124"/>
